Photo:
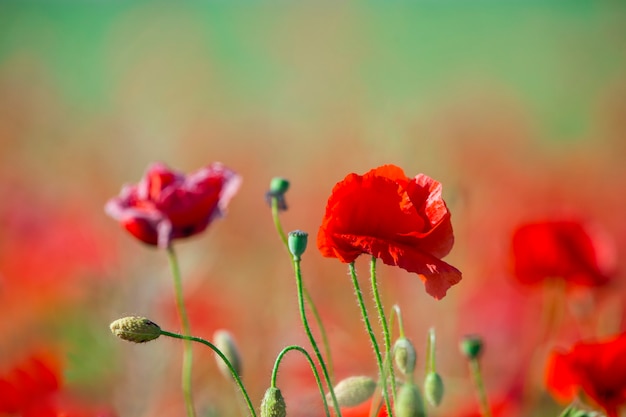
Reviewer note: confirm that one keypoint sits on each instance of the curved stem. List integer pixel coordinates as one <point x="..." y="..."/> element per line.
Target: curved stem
<point x="184" y="321"/>
<point x="396" y="309"/>
<point x="190" y="339"/>
<point x="385" y="327"/>
<point x="370" y="331"/>
<point x="279" y="358"/>
<point x="307" y="328"/>
<point x="307" y="295"/>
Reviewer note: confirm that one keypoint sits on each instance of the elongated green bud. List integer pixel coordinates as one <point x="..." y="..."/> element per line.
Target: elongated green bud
<point x="433" y="388"/>
<point x="273" y="404"/>
<point x="409" y="402"/>
<point x="297" y="241"/>
<point x="135" y="329"/>
<point x="223" y="340"/>
<point x="404" y="355"/>
<point x="353" y="390"/>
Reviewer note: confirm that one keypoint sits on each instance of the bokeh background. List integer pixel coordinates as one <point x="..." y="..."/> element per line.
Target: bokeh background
<point x="518" y="108"/>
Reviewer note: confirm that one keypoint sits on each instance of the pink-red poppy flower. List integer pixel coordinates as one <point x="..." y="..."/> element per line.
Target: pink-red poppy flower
<point x="167" y="205"/>
<point x="596" y="368"/>
<point x="561" y="249"/>
<point x="402" y="221"/>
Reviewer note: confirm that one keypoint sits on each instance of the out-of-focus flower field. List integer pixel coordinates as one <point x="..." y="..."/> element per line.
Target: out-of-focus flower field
<point x="518" y="109"/>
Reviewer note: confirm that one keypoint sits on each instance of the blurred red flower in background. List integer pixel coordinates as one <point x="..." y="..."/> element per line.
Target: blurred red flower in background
<point x="167" y="205"/>
<point x="561" y="249"/>
<point x="33" y="388"/>
<point x="402" y="221"/>
<point x="597" y="368"/>
<point x="361" y="410"/>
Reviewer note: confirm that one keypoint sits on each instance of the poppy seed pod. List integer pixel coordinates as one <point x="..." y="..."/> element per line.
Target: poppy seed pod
<point x="279" y="185"/>
<point x="433" y="388"/>
<point x="135" y="329"/>
<point x="354" y="390"/>
<point x="278" y="188"/>
<point x="404" y="355"/>
<point x="273" y="404"/>
<point x="223" y="340"/>
<point x="472" y="346"/>
<point x="409" y="402"/>
<point x="297" y="241"/>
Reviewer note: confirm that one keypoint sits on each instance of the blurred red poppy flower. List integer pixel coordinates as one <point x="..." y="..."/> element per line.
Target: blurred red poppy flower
<point x="403" y="221"/>
<point x="597" y="368"/>
<point x="561" y="249"/>
<point x="361" y="410"/>
<point x="167" y="205"/>
<point x="32" y="387"/>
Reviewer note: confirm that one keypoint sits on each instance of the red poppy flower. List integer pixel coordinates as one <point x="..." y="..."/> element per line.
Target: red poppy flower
<point x="168" y="205"/>
<point x="597" y="368"/>
<point x="561" y="249"/>
<point x="403" y="221"/>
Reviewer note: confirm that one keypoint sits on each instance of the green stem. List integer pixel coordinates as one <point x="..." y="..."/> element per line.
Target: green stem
<point x="483" y="402"/>
<point x="307" y="328"/>
<point x="311" y="363"/>
<point x="430" y="362"/>
<point x="385" y="328"/>
<point x="370" y="331"/>
<point x="307" y="295"/>
<point x="190" y="339"/>
<point x="184" y="320"/>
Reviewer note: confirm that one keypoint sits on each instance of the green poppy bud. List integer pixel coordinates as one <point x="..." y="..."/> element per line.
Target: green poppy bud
<point x="354" y="390"/>
<point x="472" y="346"/>
<point x="409" y="402"/>
<point x="404" y="355"/>
<point x="433" y="388"/>
<point x="135" y="329"/>
<point x="273" y="404"/>
<point x="297" y="241"/>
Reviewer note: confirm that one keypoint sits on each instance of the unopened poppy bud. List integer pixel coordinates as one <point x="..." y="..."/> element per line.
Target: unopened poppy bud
<point x="404" y="355"/>
<point x="353" y="391"/>
<point x="273" y="404"/>
<point x="297" y="242"/>
<point x="278" y="188"/>
<point x="433" y="388"/>
<point x="223" y="340"/>
<point x="472" y="346"/>
<point x="135" y="329"/>
<point x="409" y="402"/>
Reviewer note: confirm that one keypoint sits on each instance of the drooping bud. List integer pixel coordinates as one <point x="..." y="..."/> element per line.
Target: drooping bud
<point x="278" y="188"/>
<point x="135" y="329"/>
<point x="472" y="346"/>
<point x="273" y="404"/>
<point x="353" y="391"/>
<point x="404" y="355"/>
<point x="297" y="241"/>
<point x="433" y="388"/>
<point x="223" y="340"/>
<point x="409" y="402"/>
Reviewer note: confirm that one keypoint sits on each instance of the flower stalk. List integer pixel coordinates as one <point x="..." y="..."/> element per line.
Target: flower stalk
<point x="184" y="321"/>
<point x="370" y="332"/>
